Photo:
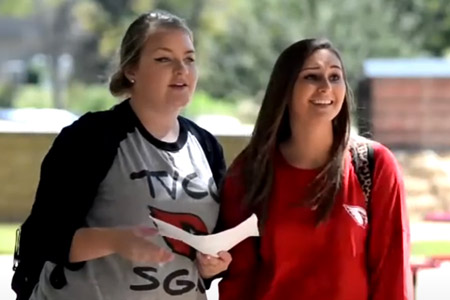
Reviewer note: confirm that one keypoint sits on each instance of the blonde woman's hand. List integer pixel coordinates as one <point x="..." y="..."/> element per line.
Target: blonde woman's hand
<point x="135" y="244"/>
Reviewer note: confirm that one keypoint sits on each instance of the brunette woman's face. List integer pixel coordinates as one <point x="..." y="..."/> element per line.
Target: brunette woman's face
<point x="319" y="90"/>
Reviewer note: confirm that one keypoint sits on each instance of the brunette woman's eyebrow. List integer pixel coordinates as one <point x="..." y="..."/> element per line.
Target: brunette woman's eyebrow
<point x="318" y="68"/>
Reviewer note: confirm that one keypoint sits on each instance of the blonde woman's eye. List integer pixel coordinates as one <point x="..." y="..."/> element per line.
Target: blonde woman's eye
<point x="190" y="59"/>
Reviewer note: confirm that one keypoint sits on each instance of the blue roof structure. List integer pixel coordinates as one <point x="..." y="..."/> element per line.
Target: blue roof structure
<point x="407" y="68"/>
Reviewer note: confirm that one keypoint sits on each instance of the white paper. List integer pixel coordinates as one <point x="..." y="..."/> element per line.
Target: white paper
<point x="213" y="243"/>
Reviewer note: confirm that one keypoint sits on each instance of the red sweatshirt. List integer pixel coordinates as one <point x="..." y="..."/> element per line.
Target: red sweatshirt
<point x="338" y="260"/>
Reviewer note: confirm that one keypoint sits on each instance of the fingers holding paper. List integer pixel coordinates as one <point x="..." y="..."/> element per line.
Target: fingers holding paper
<point x="213" y="243"/>
<point x="209" y="266"/>
<point x="135" y="244"/>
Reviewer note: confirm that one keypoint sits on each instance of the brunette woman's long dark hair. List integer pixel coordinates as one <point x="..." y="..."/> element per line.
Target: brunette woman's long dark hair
<point x="273" y="127"/>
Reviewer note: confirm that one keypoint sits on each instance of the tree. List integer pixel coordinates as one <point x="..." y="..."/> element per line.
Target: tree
<point x="431" y="20"/>
<point x="238" y="41"/>
<point x="241" y="43"/>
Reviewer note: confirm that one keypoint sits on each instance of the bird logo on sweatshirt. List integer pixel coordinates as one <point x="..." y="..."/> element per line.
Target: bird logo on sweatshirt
<point x="358" y="214"/>
<point x="188" y="222"/>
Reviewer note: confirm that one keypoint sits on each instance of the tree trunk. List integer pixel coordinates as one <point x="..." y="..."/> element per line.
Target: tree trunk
<point x="57" y="45"/>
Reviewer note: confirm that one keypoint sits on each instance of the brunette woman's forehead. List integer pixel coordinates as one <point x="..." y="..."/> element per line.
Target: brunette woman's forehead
<point x="320" y="59"/>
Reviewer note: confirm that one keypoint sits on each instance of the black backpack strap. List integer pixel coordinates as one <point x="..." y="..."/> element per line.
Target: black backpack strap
<point x="363" y="161"/>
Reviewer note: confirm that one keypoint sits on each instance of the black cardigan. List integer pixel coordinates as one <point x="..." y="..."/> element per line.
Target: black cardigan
<point x="71" y="172"/>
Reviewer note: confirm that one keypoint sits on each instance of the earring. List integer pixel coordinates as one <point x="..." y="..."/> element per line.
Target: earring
<point x="132" y="80"/>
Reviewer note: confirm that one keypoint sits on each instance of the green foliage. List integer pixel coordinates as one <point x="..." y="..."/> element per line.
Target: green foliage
<point x="7" y="238"/>
<point x="13" y="8"/>
<point x="239" y="60"/>
<point x="431" y="248"/>
<point x="80" y="97"/>
<point x="108" y="20"/>
<point x="84" y="98"/>
<point x="237" y="50"/>
<point x="33" y="96"/>
<point x="203" y="103"/>
<point x="6" y="94"/>
<point x="238" y="41"/>
<point x="432" y="23"/>
<point x="25" y="8"/>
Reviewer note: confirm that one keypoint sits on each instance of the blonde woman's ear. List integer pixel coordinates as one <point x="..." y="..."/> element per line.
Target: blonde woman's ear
<point x="129" y="74"/>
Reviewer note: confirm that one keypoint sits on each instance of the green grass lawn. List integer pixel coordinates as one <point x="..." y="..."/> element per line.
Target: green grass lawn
<point x="8" y="237"/>
<point x="434" y="248"/>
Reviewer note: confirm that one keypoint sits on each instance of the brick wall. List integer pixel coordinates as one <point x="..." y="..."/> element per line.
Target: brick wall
<point x="411" y="113"/>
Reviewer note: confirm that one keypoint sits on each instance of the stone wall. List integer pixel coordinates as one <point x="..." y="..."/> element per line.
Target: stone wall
<point x="20" y="160"/>
<point x="427" y="181"/>
<point x="427" y="174"/>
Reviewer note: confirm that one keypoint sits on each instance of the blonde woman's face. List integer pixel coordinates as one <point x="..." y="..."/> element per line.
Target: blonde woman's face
<point x="166" y="75"/>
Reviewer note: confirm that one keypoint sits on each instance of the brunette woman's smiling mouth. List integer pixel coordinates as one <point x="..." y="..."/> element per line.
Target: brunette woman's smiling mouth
<point x="321" y="102"/>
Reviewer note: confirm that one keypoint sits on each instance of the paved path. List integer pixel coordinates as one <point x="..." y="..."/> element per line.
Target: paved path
<point x="6" y="273"/>
<point x="5" y="278"/>
<point x="430" y="231"/>
<point x="433" y="284"/>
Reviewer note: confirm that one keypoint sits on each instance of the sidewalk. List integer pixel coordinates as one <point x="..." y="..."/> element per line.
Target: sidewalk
<point x="431" y="284"/>
<point x="5" y="277"/>
<point x="6" y="274"/>
<point x="430" y="231"/>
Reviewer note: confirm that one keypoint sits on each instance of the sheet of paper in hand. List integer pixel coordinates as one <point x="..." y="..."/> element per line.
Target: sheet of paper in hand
<point x="213" y="243"/>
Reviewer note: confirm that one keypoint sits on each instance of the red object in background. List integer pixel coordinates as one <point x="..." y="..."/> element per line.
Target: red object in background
<point x="438" y="217"/>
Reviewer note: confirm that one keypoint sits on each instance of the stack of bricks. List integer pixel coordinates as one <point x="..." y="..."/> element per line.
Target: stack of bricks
<point x="411" y="113"/>
<point x="405" y="103"/>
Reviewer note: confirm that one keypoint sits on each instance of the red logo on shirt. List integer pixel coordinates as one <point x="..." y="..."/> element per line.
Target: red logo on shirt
<point x="188" y="222"/>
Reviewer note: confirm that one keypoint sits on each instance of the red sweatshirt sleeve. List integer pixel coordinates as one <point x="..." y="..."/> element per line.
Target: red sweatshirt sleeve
<point x="239" y="279"/>
<point x="389" y="242"/>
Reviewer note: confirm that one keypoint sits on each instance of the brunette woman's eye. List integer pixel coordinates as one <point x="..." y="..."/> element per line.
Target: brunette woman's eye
<point x="335" y="77"/>
<point x="162" y="59"/>
<point x="311" y="77"/>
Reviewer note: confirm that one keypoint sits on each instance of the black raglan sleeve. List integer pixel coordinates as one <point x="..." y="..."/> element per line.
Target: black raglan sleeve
<point x="216" y="160"/>
<point x="70" y="174"/>
<point x="211" y="147"/>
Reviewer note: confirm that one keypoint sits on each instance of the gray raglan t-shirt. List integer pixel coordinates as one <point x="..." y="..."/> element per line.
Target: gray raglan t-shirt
<point x="171" y="181"/>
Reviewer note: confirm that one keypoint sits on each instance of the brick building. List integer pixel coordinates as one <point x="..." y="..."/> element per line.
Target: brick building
<point x="405" y="103"/>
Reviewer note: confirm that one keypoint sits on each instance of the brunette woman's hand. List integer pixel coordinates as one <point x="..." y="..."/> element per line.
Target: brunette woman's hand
<point x="209" y="266"/>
